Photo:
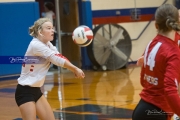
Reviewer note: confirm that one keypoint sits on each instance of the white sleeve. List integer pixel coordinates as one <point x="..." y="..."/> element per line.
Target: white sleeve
<point x="53" y="47"/>
<point x="39" y="49"/>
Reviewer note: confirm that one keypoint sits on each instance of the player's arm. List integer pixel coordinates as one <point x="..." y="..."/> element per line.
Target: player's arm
<point x="171" y="83"/>
<point x="57" y="59"/>
<point x="53" y="47"/>
<point x="140" y="61"/>
<point x="78" y="72"/>
<point x="43" y="51"/>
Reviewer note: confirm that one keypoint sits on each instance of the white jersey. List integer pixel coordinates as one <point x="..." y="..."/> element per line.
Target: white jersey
<point x="33" y="74"/>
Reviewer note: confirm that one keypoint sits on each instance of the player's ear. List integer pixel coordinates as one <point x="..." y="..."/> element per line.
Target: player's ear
<point x="40" y="33"/>
<point x="156" y="26"/>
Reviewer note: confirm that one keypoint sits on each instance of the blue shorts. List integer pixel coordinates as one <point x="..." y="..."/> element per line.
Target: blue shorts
<point x="25" y="94"/>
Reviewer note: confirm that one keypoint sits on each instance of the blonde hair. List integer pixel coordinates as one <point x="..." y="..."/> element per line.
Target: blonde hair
<point x="34" y="29"/>
<point x="167" y="18"/>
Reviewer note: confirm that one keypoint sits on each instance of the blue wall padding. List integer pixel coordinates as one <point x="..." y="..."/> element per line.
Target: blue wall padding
<point x="15" y="20"/>
<point x="85" y="18"/>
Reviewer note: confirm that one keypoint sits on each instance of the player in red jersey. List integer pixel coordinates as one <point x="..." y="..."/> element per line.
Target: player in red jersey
<point x="160" y="74"/>
<point x="140" y="61"/>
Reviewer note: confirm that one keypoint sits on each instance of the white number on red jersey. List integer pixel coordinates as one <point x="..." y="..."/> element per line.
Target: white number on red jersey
<point x="151" y="58"/>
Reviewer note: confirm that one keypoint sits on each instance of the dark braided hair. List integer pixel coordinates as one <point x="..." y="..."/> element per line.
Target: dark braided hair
<point x="167" y="18"/>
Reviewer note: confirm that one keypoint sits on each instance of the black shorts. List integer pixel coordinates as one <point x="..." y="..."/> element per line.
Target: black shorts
<point x="25" y="94"/>
<point x="148" y="111"/>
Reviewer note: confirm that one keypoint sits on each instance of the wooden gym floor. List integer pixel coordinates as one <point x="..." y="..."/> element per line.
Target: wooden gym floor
<point x="102" y="95"/>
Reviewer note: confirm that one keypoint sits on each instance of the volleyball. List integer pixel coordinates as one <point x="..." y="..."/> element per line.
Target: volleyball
<point x="82" y="36"/>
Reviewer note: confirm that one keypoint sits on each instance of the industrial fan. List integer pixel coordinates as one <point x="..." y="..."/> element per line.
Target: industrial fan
<point x="111" y="47"/>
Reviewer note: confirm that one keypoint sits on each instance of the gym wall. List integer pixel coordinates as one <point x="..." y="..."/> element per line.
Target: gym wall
<point x="18" y="15"/>
<point x="134" y="27"/>
<point x="16" y="18"/>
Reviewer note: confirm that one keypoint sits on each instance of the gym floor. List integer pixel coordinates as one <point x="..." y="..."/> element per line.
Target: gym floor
<point x="101" y="95"/>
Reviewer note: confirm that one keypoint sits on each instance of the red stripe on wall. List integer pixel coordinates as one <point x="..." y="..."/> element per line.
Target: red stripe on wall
<point x="121" y="19"/>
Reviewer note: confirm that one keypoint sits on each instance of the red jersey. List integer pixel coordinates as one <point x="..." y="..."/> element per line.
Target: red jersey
<point x="160" y="75"/>
<point x="177" y="38"/>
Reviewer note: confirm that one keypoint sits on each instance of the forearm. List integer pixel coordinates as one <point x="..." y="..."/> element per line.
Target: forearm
<point x="62" y="61"/>
<point x="69" y="66"/>
<point x="57" y="59"/>
<point x="77" y="72"/>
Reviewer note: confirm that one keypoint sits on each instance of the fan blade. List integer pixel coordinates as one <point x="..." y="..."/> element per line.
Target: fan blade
<point x="119" y="53"/>
<point x="117" y="36"/>
<point x="97" y="43"/>
<point x="101" y="39"/>
<point x="104" y="57"/>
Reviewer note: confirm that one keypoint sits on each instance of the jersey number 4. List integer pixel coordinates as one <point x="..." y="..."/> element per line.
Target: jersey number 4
<point x="151" y="57"/>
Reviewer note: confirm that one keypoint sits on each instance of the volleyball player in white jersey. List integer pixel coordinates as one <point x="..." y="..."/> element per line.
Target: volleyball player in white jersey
<point x="28" y="95"/>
